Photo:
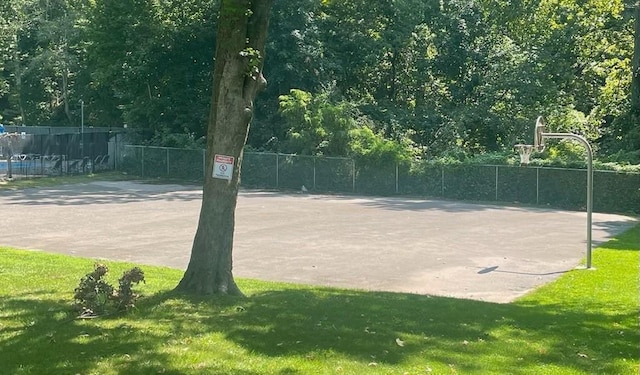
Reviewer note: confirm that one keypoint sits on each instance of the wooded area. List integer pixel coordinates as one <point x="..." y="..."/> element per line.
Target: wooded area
<point x="390" y="80"/>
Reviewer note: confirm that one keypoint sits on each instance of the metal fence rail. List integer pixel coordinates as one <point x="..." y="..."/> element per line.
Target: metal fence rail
<point x="556" y="187"/>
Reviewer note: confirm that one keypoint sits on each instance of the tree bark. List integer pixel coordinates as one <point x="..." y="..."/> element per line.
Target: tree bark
<point x="237" y="78"/>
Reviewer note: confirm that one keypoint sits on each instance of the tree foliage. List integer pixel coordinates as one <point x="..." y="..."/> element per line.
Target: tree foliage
<point x="322" y="125"/>
<point x="450" y="76"/>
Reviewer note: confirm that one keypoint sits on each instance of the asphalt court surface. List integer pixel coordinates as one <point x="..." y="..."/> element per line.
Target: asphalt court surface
<point x="463" y="250"/>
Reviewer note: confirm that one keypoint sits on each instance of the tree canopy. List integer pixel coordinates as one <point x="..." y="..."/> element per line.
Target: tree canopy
<point x="431" y="77"/>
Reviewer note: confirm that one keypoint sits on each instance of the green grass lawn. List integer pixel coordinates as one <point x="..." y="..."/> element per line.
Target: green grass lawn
<point x="587" y="322"/>
<point x="39" y="182"/>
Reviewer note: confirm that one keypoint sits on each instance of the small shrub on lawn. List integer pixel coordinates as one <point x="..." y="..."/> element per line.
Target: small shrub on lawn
<point x="94" y="296"/>
<point x="125" y="297"/>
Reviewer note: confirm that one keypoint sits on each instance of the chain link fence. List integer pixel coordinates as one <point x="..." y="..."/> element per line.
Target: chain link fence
<point x="555" y="187"/>
<point x="42" y="151"/>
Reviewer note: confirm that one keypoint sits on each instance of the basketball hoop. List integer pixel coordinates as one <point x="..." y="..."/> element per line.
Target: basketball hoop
<point x="539" y="135"/>
<point x="538" y="139"/>
<point x="525" y="152"/>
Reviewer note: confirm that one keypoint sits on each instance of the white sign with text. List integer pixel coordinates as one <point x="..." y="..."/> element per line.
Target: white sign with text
<point x="223" y="167"/>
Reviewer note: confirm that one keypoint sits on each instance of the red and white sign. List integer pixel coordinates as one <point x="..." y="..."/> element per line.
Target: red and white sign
<point x="223" y="167"/>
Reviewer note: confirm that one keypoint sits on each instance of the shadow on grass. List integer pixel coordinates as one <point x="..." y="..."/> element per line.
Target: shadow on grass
<point x="629" y="242"/>
<point x="282" y="324"/>
<point x="51" y="341"/>
<point x="310" y="323"/>
<point x="365" y="327"/>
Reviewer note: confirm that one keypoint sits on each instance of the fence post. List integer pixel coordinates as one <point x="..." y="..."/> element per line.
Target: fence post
<point x="314" y="172"/>
<point x="277" y="170"/>
<point x="442" y="181"/>
<point x="142" y="161"/>
<point x="168" y="172"/>
<point x="116" y="151"/>
<point x="496" y="183"/>
<point x="537" y="185"/>
<point x="353" y="175"/>
<point x="397" y="189"/>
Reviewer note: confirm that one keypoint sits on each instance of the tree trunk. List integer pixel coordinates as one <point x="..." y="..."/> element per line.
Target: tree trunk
<point x="6" y="144"/>
<point x="17" y="72"/>
<point x="65" y="93"/>
<point x="237" y="78"/>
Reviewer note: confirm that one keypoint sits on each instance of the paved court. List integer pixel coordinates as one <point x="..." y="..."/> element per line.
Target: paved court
<point x="476" y="251"/>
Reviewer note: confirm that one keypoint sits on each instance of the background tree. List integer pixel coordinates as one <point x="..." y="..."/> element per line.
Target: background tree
<point x="633" y="135"/>
<point x="453" y="77"/>
<point x="295" y="59"/>
<point x="635" y="65"/>
<point x="42" y="45"/>
<point x="619" y="95"/>
<point x="237" y="78"/>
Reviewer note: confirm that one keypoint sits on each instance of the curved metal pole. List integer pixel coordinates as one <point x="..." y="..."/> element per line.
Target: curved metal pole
<point x="589" y="182"/>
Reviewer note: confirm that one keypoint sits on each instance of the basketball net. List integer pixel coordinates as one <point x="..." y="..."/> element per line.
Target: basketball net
<point x="525" y="152"/>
